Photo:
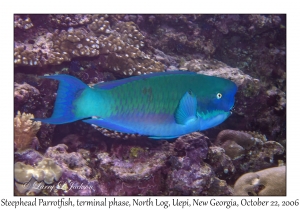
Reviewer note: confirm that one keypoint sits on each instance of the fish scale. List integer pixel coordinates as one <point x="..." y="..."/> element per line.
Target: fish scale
<point x="161" y="105"/>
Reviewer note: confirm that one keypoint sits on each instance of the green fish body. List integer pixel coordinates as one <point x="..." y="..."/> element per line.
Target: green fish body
<point x="160" y="105"/>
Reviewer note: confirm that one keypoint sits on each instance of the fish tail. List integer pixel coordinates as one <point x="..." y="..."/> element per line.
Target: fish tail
<point x="68" y="90"/>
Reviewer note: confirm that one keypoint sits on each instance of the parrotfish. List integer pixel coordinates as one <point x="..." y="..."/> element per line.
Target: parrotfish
<point x="162" y="105"/>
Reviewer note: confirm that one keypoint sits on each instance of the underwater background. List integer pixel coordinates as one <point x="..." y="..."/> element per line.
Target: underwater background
<point x="249" y="50"/>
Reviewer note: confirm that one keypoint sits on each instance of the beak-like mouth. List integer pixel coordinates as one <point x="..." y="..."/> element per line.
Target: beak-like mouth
<point x="232" y="109"/>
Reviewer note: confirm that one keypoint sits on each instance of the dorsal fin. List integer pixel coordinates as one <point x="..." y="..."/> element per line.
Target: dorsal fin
<point x="113" y="84"/>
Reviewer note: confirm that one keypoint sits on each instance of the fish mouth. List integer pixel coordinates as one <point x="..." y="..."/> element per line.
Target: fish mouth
<point x="232" y="109"/>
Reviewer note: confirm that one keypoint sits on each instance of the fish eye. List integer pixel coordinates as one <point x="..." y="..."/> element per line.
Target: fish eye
<point x="219" y="95"/>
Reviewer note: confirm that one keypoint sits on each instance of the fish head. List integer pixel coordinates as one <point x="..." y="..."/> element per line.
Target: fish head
<point x="215" y="105"/>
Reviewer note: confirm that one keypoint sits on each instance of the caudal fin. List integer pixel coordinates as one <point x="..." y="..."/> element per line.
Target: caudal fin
<point x="68" y="90"/>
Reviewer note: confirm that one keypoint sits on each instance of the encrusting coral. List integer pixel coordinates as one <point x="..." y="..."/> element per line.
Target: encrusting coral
<point x="270" y="182"/>
<point x="25" y="130"/>
<point x="121" y="44"/>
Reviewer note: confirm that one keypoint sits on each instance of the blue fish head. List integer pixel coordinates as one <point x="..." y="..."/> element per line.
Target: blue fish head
<point x="217" y="105"/>
<point x="224" y="99"/>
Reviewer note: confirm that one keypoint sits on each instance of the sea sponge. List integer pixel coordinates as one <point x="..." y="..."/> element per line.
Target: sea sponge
<point x="270" y="182"/>
<point x="25" y="130"/>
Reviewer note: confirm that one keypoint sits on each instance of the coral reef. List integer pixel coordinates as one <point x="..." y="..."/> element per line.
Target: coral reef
<point x="25" y="131"/>
<point x="270" y="182"/>
<point x="129" y="167"/>
<point x="248" y="49"/>
<point x="189" y="174"/>
<point x="121" y="43"/>
<point x="247" y="152"/>
<point x="75" y="172"/>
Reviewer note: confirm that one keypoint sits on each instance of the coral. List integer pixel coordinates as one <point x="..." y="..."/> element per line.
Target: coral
<point x="220" y="162"/>
<point x="121" y="45"/>
<point x="73" y="160"/>
<point x="74" y="179"/>
<point x="50" y="170"/>
<point x="46" y="170"/>
<point x="133" y="167"/>
<point x="179" y="34"/>
<point x="22" y="92"/>
<point x="123" y="49"/>
<point x="280" y="97"/>
<point x="69" y="20"/>
<point x="27" y="176"/>
<point x="245" y="140"/>
<point x="189" y="174"/>
<point x="69" y="168"/>
<point x="136" y="151"/>
<point x="29" y="157"/>
<point x="260" y="21"/>
<point x="100" y="26"/>
<point x="269" y="182"/>
<point x="25" y="130"/>
<point x="188" y="178"/>
<point x="24" y="173"/>
<point x="248" y="153"/>
<point x="193" y="145"/>
<point x="219" y="187"/>
<point x="55" y="48"/>
<point x="22" y="24"/>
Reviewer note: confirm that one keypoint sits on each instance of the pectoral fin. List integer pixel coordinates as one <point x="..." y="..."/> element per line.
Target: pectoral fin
<point x="187" y="109"/>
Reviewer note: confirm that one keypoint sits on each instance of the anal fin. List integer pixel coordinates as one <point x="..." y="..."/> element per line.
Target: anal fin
<point x="162" y="137"/>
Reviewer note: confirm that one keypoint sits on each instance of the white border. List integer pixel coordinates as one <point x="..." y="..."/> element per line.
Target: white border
<point x="138" y="7"/>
